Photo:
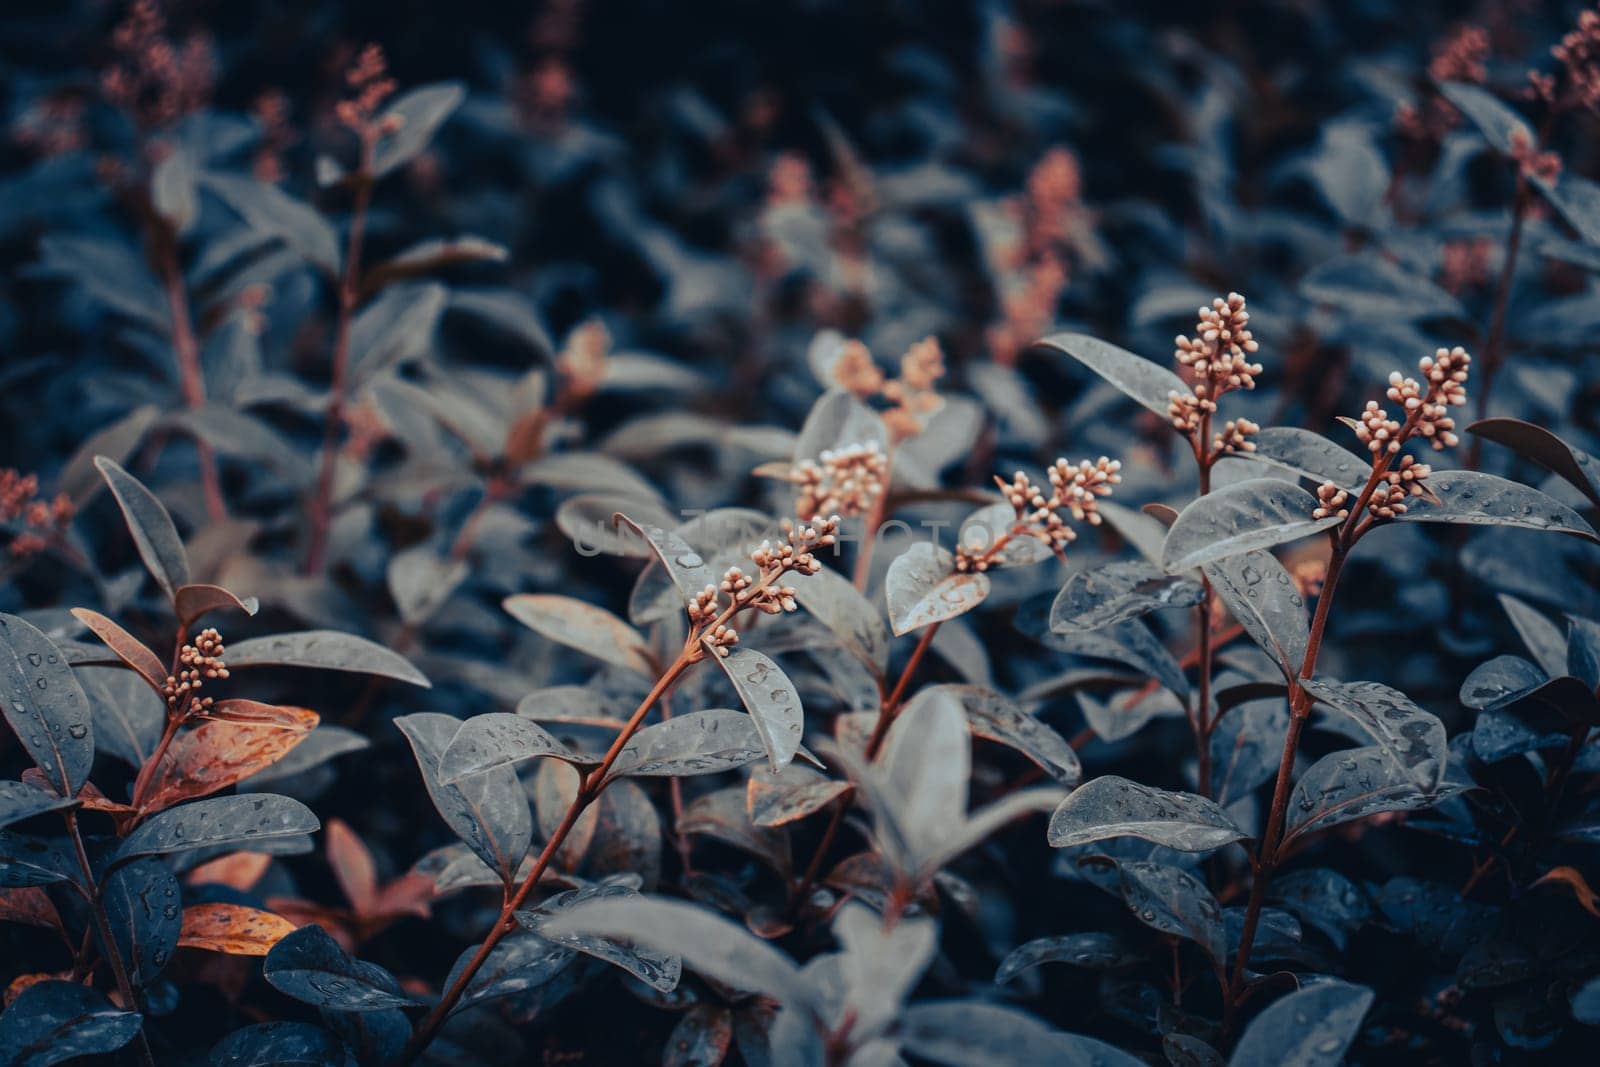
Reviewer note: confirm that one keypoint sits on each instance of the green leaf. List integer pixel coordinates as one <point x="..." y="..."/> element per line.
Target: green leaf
<point x="1240" y="518"/>
<point x="153" y="532"/>
<point x="1149" y="383"/>
<point x="45" y="705"/>
<point x="1110" y="806"/>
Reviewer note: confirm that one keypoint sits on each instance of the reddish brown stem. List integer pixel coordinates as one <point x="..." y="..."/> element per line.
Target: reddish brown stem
<point x="887" y="712"/>
<point x="588" y="792"/>
<point x="321" y="511"/>
<point x="1494" y="344"/>
<point x="186" y="348"/>
<point x="1202" y="717"/>
<point x="869" y="533"/>
<point x="108" y="942"/>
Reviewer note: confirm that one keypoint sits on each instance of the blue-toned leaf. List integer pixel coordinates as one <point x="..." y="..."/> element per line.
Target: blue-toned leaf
<point x="45" y="705"/>
<point x="310" y="966"/>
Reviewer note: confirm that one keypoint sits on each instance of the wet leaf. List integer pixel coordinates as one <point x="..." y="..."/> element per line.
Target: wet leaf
<point x="520" y="962"/>
<point x="1149" y="383"/>
<point x="705" y="942"/>
<point x="309" y="966"/>
<point x="791" y="794"/>
<point x="1265" y="599"/>
<point x="1577" y="467"/>
<point x="1309" y="455"/>
<point x="770" y="697"/>
<point x="659" y="970"/>
<point x="1499" y="682"/>
<point x="1102" y="596"/>
<point x="1093" y="950"/>
<point x="145" y="911"/>
<point x="30" y="861"/>
<point x="1109" y="807"/>
<point x="232" y="929"/>
<point x="1324" y="898"/>
<point x="1473" y="498"/>
<point x="997" y="718"/>
<point x="316" y="748"/>
<point x="325" y="649"/>
<point x="219" y="821"/>
<point x="237" y="739"/>
<point x="922" y="588"/>
<point x="724" y="816"/>
<point x="489" y="812"/>
<point x="700" y="742"/>
<point x="589" y="629"/>
<point x="19" y="801"/>
<point x="834" y="602"/>
<point x="1239" y="518"/>
<point x="45" y="705"/>
<point x="1311" y="1028"/>
<point x="1174" y="902"/>
<point x="282" y="1044"/>
<point x="55" y="1021"/>
<point x="1353" y="784"/>
<point x="1546" y="642"/>
<point x="496" y="739"/>
<point x="684" y="565"/>
<point x="1414" y="738"/>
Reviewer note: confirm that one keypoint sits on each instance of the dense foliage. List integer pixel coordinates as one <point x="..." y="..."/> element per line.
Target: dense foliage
<point x="552" y="536"/>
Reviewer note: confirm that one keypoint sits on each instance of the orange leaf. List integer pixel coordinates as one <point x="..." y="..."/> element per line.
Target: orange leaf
<point x="30" y="906"/>
<point x="1572" y="879"/>
<point x="235" y="740"/>
<point x="129" y="649"/>
<point x="232" y="929"/>
<point x="239" y="870"/>
<point x="352" y="865"/>
<point x="336" y="922"/>
<point x="21" y="982"/>
<point x="193" y="601"/>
